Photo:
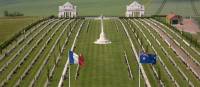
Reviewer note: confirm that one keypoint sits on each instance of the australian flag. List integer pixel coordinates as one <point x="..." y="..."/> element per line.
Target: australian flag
<point x="147" y="58"/>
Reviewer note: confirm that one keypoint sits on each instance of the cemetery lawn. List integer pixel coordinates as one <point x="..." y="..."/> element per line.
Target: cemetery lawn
<point x="40" y="57"/>
<point x="9" y="26"/>
<point x="104" y="64"/>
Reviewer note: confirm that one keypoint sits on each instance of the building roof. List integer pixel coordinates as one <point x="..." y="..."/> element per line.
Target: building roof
<point x="135" y="6"/>
<point x="171" y="15"/>
<point x="67" y="4"/>
<point x="135" y="3"/>
<point x="67" y="7"/>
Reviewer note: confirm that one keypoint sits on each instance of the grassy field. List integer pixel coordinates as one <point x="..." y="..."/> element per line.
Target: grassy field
<point x="95" y="7"/>
<point x="38" y="56"/>
<point x="9" y="26"/>
<point x="39" y="59"/>
<point x="106" y="67"/>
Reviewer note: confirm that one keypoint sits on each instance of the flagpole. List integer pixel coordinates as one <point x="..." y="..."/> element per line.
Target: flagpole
<point x="139" y="71"/>
<point x="139" y="74"/>
<point x="77" y="71"/>
<point x="69" y="76"/>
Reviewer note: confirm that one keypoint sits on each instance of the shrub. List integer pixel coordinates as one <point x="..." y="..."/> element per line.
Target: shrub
<point x="13" y="14"/>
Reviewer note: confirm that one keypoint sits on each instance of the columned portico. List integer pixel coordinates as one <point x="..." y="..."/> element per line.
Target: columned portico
<point x="135" y="10"/>
<point x="67" y="11"/>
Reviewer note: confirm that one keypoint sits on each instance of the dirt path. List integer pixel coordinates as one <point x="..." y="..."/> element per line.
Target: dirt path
<point x="189" y="25"/>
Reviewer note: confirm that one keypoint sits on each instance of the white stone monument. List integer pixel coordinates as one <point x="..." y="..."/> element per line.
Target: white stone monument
<point x="102" y="39"/>
<point x="135" y="10"/>
<point x="67" y="10"/>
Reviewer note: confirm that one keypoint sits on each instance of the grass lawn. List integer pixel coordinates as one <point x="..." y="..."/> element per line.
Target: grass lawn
<point x="95" y="7"/>
<point x="105" y="65"/>
<point x="11" y="25"/>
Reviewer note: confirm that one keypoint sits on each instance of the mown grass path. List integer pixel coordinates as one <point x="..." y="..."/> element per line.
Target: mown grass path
<point x="104" y="64"/>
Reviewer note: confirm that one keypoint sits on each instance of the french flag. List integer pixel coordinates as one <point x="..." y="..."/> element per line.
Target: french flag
<point x="75" y="58"/>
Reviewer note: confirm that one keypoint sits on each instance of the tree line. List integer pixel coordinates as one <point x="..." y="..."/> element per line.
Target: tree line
<point x="13" y="14"/>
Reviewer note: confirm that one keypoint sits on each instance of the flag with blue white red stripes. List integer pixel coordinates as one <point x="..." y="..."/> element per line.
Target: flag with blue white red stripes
<point x="73" y="58"/>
